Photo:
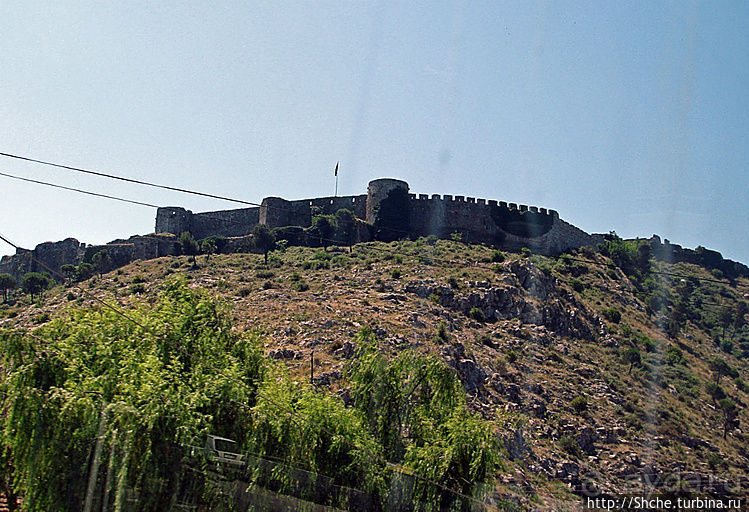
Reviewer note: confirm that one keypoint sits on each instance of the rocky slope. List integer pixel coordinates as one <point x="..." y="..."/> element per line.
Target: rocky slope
<point x="545" y="348"/>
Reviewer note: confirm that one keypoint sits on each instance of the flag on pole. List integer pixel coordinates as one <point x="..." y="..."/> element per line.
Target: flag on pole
<point x="336" y="169"/>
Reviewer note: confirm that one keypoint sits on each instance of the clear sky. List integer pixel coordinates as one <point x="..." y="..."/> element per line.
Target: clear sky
<point x="623" y="116"/>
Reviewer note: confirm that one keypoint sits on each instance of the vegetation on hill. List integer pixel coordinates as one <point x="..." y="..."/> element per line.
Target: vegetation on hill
<point x="440" y="369"/>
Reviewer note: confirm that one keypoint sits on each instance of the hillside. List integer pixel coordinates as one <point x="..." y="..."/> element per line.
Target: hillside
<point x="598" y="370"/>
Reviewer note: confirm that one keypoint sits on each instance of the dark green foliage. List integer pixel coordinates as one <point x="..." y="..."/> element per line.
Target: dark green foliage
<point x="137" y="288"/>
<point x="263" y="240"/>
<point x="208" y="247"/>
<point x="442" y="335"/>
<point x="69" y="271"/>
<point x="294" y="235"/>
<point x="85" y="271"/>
<point x="720" y="368"/>
<point x="715" y="391"/>
<point x="632" y="357"/>
<point x="569" y="445"/>
<point x="674" y="355"/>
<point x="633" y="257"/>
<point x="396" y="273"/>
<point x="498" y="257"/>
<point x="102" y="262"/>
<point x="477" y="314"/>
<point x="579" y="404"/>
<point x="7" y="282"/>
<point x="322" y="230"/>
<point x="612" y="315"/>
<point x="577" y="285"/>
<point x="730" y="415"/>
<point x="35" y="283"/>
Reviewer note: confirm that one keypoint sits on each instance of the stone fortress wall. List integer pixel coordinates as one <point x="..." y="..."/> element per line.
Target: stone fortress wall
<point x="390" y="211"/>
<point x="396" y="213"/>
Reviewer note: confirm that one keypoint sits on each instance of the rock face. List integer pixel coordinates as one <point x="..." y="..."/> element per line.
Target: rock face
<point x="46" y="257"/>
<point x="51" y="256"/>
<point x="526" y="294"/>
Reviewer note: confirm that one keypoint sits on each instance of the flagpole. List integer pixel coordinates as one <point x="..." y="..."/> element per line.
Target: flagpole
<point x="336" y="180"/>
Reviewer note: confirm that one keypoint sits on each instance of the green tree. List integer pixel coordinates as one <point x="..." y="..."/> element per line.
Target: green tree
<point x="35" y="283"/>
<point x="7" y="282"/>
<point x="208" y="247"/>
<point x="730" y="415"/>
<point x="94" y="377"/>
<point x="102" y="262"/>
<point x="189" y="246"/>
<point x="84" y="271"/>
<point x="69" y="271"/>
<point x="323" y="228"/>
<point x="263" y="239"/>
<point x="720" y="368"/>
<point x="346" y="227"/>
<point x="631" y="356"/>
<point x="415" y="407"/>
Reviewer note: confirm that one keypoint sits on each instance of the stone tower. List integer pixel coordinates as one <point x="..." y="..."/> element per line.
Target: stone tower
<point x="388" y="208"/>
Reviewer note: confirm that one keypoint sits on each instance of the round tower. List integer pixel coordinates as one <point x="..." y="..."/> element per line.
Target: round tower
<point x="388" y="208"/>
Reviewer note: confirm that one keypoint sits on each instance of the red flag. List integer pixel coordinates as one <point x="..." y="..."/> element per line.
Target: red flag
<point x="336" y="169"/>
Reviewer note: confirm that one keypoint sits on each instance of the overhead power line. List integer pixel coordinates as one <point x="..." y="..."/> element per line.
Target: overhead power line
<point x="81" y="191"/>
<point x="128" y="180"/>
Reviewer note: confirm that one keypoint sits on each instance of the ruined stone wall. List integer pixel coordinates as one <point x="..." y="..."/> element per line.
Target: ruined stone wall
<point x="224" y="223"/>
<point x="276" y="212"/>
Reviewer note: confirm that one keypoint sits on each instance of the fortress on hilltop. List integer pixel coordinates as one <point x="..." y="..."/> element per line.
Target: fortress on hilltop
<point x="390" y="212"/>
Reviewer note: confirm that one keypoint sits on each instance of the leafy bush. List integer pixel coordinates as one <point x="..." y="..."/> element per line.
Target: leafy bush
<point x="613" y="315"/>
<point x="137" y="288"/>
<point x="477" y="314"/>
<point x="570" y="446"/>
<point x="579" y="404"/>
<point x="498" y="257"/>
<point x="396" y="273"/>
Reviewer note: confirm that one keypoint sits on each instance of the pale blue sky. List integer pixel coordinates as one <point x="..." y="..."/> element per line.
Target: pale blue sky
<point x="624" y="116"/>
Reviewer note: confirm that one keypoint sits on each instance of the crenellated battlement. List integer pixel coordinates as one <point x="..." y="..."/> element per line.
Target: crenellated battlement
<point x="482" y="202"/>
<point x="394" y="212"/>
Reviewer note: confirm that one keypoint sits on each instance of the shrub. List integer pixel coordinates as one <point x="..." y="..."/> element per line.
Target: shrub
<point x="453" y="283"/>
<point x="137" y="288"/>
<point x="577" y="285"/>
<point x="674" y="355"/>
<point x="442" y="334"/>
<point x="477" y="314"/>
<point x="301" y="286"/>
<point x="139" y="279"/>
<point x="613" y="315"/>
<point x="498" y="257"/>
<point x="569" y="445"/>
<point x="395" y="273"/>
<point x="264" y="274"/>
<point x="512" y="356"/>
<point x="579" y="404"/>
